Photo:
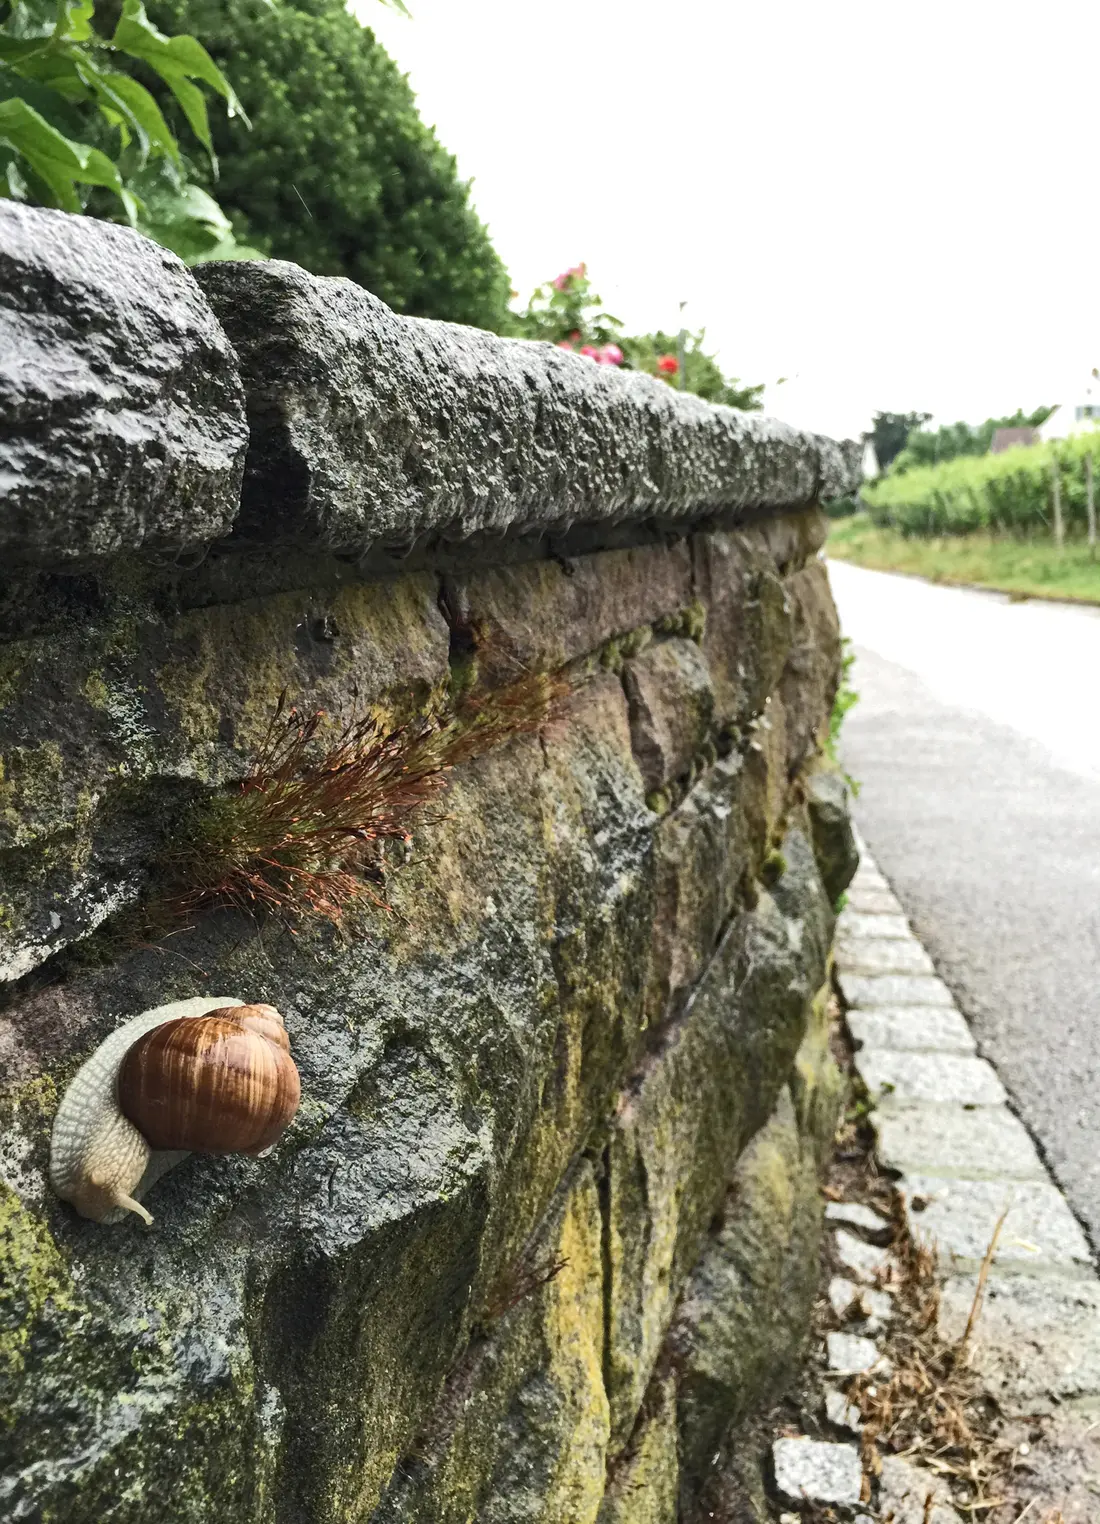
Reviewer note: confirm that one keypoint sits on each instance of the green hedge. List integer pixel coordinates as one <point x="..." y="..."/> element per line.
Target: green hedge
<point x="339" y="173"/>
<point x="1010" y="492"/>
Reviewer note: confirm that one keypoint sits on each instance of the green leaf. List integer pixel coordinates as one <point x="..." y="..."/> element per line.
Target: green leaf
<point x="59" y="162"/>
<point x="74" y="21"/>
<point x="177" y="60"/>
<point x="137" y="108"/>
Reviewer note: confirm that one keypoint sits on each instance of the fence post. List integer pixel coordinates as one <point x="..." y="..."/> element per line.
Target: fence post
<point x="1056" y="482"/>
<point x="1090" y="503"/>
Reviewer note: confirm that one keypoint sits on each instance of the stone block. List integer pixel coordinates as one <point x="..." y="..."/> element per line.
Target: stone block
<point x="829" y="809"/>
<point x="816" y="1471"/>
<point x="1036" y="1344"/>
<point x="371" y="427"/>
<point x="740" y="1327"/>
<point x="961" y="1216"/>
<point x="873" y="901"/>
<point x="678" y="1132"/>
<point x="938" y="1029"/>
<point x="703" y="851"/>
<point x="852" y="925"/>
<point x="122" y="421"/>
<point x="864" y="1260"/>
<point x="540" y="614"/>
<point x="896" y="1077"/>
<point x="853" y="1355"/>
<point x="882" y="955"/>
<point x="810" y="676"/>
<point x="748" y="629"/>
<point x="842" y="1414"/>
<point x="893" y="989"/>
<point x="671" y="702"/>
<point x="644" y="1483"/>
<point x="536" y="1377"/>
<point x="948" y="1140"/>
<point x="909" y="1495"/>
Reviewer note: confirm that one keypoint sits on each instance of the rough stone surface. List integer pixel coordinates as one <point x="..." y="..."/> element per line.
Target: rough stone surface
<point x="827" y="802"/>
<point x="852" y="1354"/>
<point x="960" y="1216"/>
<point x="885" y="955"/>
<point x="810" y="1470"/>
<point x="863" y="1259"/>
<point x="122" y="423"/>
<point x="899" y="1077"/>
<point x="841" y="1413"/>
<point x="577" y="1078"/>
<point x="367" y="426"/>
<point x="1037" y="1344"/>
<point x="864" y="990"/>
<point x="904" y="1491"/>
<point x="671" y="709"/>
<point x="853" y="924"/>
<point x="985" y="1142"/>
<point x="936" y="1028"/>
<point x="874" y="901"/>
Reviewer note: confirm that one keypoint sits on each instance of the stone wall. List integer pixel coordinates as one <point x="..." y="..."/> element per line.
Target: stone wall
<point x="543" y="1235"/>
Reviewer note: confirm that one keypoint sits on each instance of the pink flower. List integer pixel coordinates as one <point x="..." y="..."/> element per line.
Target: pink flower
<point x="668" y="365"/>
<point x="590" y="351"/>
<point x="565" y="344"/>
<point x="611" y="354"/>
<point x="560" y="282"/>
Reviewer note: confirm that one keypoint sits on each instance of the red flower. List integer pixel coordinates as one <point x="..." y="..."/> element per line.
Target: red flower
<point x="668" y="365"/>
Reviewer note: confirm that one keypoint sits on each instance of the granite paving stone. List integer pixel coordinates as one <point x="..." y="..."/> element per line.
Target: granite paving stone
<point x="935" y="1028"/>
<point x="898" y="1076"/>
<point x="892" y="989"/>
<point x="812" y="1470"/>
<point x="961" y="1215"/>
<point x="884" y="955"/>
<point x="951" y="1141"/>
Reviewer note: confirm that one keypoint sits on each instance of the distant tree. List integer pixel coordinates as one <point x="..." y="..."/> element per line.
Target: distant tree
<point x="926" y="447"/>
<point x="889" y="433"/>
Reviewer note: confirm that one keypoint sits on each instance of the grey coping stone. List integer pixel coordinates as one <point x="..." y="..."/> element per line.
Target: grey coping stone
<point x="891" y="1075"/>
<point x="122" y="415"/>
<point x="1037" y="1339"/>
<point x="857" y="1216"/>
<point x="960" y="1216"/>
<point x="867" y="877"/>
<point x="936" y="1028"/>
<point x="853" y="1355"/>
<point x="864" y="1260"/>
<point x="852" y="925"/>
<point x="893" y="989"/>
<point x="882" y="955"/>
<point x="952" y="1141"/>
<point x="841" y="1413"/>
<point x="904" y="1491"/>
<point x="369" y="427"/>
<point x="813" y="1470"/>
<point x="872" y="902"/>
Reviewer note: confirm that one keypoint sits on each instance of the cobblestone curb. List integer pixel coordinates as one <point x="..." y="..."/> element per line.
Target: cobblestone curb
<point x="962" y="1158"/>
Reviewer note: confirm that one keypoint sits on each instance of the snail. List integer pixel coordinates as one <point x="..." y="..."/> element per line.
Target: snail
<point x="213" y="1076"/>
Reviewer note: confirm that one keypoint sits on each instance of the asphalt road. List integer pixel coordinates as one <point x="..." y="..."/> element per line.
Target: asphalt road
<point x="977" y="743"/>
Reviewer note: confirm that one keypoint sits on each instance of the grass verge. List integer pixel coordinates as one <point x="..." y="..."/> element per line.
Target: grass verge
<point x="1024" y="568"/>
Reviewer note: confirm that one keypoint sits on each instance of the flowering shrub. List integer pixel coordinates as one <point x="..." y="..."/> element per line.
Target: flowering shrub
<point x="567" y="312"/>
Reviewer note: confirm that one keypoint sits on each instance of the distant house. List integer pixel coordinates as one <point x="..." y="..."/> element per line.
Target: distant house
<point x="1009" y="439"/>
<point x="1073" y="417"/>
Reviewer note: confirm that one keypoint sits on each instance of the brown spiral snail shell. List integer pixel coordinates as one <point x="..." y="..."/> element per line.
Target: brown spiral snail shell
<point x="210" y="1076"/>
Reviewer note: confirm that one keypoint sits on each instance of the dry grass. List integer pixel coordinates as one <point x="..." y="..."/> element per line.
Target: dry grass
<point x="931" y="1408"/>
<point x="303" y="835"/>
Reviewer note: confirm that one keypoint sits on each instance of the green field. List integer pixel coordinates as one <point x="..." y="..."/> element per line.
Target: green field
<point x="1029" y="568"/>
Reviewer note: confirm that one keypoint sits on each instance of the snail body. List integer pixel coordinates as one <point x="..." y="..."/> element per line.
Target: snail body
<point x="212" y="1075"/>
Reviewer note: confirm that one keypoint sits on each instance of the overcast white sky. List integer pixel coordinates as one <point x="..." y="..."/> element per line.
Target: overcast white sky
<point x="894" y="205"/>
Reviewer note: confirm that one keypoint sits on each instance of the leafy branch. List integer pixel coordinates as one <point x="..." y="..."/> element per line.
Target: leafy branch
<point x="73" y="122"/>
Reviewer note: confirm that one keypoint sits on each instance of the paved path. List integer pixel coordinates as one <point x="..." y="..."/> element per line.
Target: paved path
<point x="977" y="741"/>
